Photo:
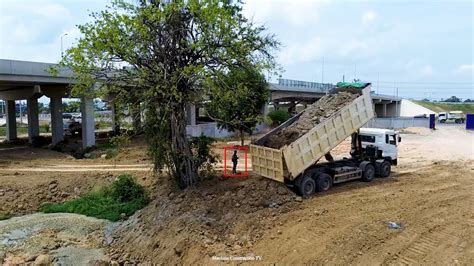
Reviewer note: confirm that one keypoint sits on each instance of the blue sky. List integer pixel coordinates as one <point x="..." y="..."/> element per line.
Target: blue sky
<point x="423" y="48"/>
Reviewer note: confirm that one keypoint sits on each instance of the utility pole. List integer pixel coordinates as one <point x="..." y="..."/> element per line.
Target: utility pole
<point x="322" y="76"/>
<point x="378" y="82"/>
<point x="396" y="107"/>
<point x="355" y="72"/>
<point x="62" y="50"/>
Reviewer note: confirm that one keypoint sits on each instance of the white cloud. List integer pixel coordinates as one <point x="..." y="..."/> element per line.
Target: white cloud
<point x="52" y="11"/>
<point x="369" y="17"/>
<point x="426" y="70"/>
<point x="465" y="68"/>
<point x="296" y="12"/>
<point x="301" y="52"/>
<point x="353" y="47"/>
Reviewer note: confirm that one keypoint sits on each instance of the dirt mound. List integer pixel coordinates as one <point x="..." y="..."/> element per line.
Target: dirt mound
<point x="313" y="115"/>
<point x="215" y="218"/>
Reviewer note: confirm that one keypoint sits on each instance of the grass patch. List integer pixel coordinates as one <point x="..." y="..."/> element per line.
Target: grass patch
<point x="118" y="201"/>
<point x="20" y="130"/>
<point x="447" y="107"/>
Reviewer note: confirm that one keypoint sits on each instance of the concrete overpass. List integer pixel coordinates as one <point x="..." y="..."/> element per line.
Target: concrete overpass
<point x="292" y="92"/>
<point x="23" y="80"/>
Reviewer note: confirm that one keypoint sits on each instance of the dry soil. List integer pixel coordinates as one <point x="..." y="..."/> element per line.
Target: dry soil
<point x="429" y="193"/>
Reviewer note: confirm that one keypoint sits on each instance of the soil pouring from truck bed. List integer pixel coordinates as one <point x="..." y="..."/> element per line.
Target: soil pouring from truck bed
<point x="313" y="115"/>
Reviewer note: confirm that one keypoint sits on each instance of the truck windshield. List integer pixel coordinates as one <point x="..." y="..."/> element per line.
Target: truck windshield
<point x="393" y="140"/>
<point x="365" y="138"/>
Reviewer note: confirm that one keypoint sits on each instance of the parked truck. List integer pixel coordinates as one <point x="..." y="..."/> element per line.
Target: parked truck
<point x="373" y="151"/>
<point x="453" y="116"/>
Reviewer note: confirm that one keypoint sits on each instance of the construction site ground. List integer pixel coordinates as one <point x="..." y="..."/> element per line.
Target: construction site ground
<point x="430" y="193"/>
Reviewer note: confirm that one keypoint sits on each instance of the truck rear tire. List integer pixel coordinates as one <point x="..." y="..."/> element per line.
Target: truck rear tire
<point x="385" y="168"/>
<point x="323" y="182"/>
<point x="369" y="173"/>
<point x="306" y="186"/>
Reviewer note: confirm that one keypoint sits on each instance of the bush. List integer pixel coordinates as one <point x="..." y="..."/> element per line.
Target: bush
<point x="125" y="188"/>
<point x="120" y="200"/>
<point x="120" y="141"/>
<point x="278" y="117"/>
<point x="45" y="128"/>
<point x="204" y="158"/>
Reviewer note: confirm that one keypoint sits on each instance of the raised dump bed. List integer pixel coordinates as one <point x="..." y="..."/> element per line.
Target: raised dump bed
<point x="290" y="161"/>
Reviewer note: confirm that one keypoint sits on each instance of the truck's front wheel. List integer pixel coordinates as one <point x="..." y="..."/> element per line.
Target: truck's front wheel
<point x="307" y="186"/>
<point x="369" y="173"/>
<point x="324" y="182"/>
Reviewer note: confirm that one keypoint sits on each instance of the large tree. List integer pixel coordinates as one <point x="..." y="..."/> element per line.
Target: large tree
<point x="160" y="53"/>
<point x="237" y="98"/>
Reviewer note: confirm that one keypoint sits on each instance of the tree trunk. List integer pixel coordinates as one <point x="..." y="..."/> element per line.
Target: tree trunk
<point x="136" y="119"/>
<point x="241" y="137"/>
<point x="184" y="169"/>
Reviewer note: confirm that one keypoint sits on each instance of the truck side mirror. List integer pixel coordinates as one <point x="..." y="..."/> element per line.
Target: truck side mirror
<point x="399" y="139"/>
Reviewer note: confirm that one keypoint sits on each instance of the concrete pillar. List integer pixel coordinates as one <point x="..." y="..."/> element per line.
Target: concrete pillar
<point x="33" y="121"/>
<point x="191" y="114"/>
<point x="385" y="110"/>
<point x="57" y="129"/>
<point x="88" y="122"/>
<point x="10" y="119"/>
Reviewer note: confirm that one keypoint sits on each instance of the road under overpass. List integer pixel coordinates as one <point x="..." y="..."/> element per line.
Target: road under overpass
<point x="23" y="80"/>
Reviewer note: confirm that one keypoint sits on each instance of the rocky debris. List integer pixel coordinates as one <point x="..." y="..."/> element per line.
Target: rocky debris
<point x="312" y="116"/>
<point x="43" y="239"/>
<point x="43" y="260"/>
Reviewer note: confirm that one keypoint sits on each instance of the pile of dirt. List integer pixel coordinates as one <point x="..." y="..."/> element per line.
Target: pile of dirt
<point x="214" y="218"/>
<point x="312" y="116"/>
<point x="47" y="239"/>
<point x="16" y="199"/>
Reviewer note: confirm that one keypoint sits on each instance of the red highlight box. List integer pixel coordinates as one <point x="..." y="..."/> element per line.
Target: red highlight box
<point x="239" y="149"/>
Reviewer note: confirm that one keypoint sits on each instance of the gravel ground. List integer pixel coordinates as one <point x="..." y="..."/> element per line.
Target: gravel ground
<point x="63" y="238"/>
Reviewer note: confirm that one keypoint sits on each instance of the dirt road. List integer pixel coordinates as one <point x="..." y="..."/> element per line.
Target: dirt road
<point x="431" y="198"/>
<point x="429" y="193"/>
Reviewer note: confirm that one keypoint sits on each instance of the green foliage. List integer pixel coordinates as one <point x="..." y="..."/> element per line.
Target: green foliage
<point x="45" y="127"/>
<point x="103" y="124"/>
<point x="467" y="108"/>
<point x="161" y="53"/>
<point x="124" y="196"/>
<point x="278" y="116"/>
<point x="42" y="108"/>
<point x="21" y="129"/>
<point x="72" y="107"/>
<point x="119" y="141"/>
<point x="204" y="157"/>
<point x="126" y="188"/>
<point x="453" y="99"/>
<point x="237" y="98"/>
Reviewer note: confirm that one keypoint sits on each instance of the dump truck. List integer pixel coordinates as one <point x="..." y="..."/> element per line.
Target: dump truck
<point x="373" y="151"/>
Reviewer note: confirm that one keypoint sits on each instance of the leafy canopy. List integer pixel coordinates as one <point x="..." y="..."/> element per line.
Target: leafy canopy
<point x="237" y="98"/>
<point x="157" y="55"/>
